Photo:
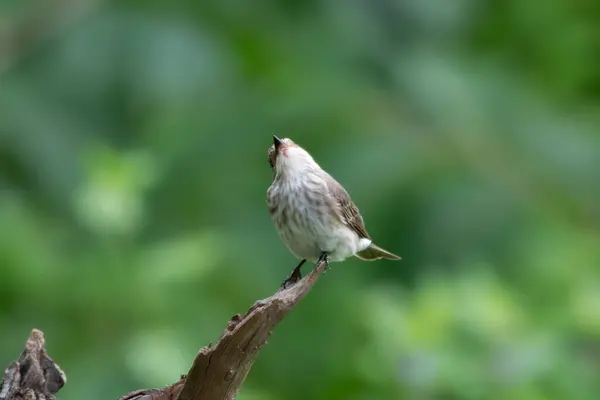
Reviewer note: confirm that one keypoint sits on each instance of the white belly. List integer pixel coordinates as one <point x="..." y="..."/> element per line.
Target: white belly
<point x="308" y="233"/>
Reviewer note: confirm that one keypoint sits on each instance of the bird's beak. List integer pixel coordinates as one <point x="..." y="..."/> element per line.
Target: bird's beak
<point x="276" y="141"/>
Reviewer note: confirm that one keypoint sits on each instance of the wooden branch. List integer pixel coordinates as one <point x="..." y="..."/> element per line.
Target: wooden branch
<point x="217" y="372"/>
<point x="34" y="376"/>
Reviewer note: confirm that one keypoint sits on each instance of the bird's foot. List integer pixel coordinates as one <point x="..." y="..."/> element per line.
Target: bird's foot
<point x="291" y="280"/>
<point x="294" y="277"/>
<point x="324" y="259"/>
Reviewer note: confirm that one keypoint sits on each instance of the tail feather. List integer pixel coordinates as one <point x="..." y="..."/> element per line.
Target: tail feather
<point x="374" y="252"/>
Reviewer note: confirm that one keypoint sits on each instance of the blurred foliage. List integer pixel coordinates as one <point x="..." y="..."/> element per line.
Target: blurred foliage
<point x="133" y="224"/>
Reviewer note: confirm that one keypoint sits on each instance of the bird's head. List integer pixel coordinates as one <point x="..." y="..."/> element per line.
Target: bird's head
<point x="286" y="156"/>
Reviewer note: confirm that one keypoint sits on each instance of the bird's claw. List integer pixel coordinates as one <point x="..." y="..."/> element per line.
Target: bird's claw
<point x="291" y="280"/>
<point x="294" y="277"/>
<point x="324" y="259"/>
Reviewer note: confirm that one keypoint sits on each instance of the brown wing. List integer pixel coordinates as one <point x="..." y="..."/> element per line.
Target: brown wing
<point x="349" y="213"/>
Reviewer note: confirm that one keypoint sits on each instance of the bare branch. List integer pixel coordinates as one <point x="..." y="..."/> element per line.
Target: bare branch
<point x="217" y="372"/>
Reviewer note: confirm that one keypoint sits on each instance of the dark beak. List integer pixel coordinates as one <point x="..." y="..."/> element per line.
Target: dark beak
<point x="276" y="142"/>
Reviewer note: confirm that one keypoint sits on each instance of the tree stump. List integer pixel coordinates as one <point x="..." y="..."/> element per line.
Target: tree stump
<point x="34" y="376"/>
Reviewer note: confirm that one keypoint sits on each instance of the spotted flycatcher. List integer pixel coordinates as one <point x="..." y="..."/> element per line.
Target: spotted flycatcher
<point x="313" y="213"/>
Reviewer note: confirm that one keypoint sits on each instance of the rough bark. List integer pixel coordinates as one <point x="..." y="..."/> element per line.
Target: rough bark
<point x="34" y="376"/>
<point x="217" y="372"/>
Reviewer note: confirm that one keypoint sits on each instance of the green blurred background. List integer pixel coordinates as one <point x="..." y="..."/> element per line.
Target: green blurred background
<point x="133" y="222"/>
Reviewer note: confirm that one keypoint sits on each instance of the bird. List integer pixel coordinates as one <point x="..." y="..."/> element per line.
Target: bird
<point x="313" y="213"/>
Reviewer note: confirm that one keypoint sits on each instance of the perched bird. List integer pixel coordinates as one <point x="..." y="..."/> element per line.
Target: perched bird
<point x="313" y="213"/>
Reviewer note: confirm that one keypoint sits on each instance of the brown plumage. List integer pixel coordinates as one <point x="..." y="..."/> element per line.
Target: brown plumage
<point x="350" y="215"/>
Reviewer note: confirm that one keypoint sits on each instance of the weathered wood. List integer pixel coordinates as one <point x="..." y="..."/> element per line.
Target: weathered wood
<point x="217" y="372"/>
<point x="34" y="376"/>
